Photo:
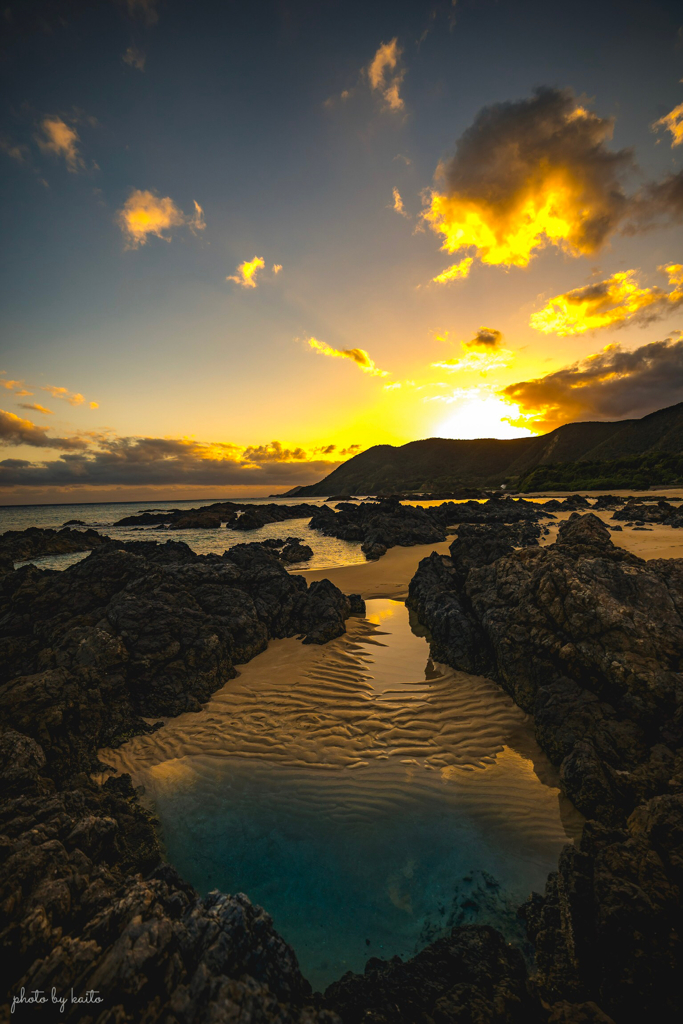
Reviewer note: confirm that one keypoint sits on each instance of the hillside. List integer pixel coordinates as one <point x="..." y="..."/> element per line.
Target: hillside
<point x="438" y="463"/>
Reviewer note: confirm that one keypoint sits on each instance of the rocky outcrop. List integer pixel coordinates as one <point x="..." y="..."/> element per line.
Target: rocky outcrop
<point x="134" y="631"/>
<point x="589" y="639"/>
<point x="378" y="525"/>
<point x="236" y="515"/>
<point x="141" y="630"/>
<point x="79" y="917"/>
<point x="20" y="545"/>
<point x="472" y="975"/>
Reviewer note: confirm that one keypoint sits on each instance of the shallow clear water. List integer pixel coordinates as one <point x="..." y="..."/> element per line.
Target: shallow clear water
<point x="327" y="551"/>
<point x="368" y="798"/>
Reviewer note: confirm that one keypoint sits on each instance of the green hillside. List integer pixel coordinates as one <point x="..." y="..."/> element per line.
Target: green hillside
<point x="627" y="450"/>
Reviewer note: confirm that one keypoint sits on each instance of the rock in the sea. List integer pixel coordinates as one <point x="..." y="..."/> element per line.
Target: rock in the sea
<point x="20" y="545"/>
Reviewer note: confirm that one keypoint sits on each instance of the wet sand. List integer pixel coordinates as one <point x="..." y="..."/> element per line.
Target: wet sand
<point x="653" y="541"/>
<point x="387" y="577"/>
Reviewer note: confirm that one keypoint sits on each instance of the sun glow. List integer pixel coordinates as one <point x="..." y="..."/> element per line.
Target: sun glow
<point x="485" y="416"/>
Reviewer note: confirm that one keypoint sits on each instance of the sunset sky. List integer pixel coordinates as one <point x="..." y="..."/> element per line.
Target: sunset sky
<point x="245" y="241"/>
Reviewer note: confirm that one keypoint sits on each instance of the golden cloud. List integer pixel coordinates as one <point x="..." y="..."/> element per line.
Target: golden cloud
<point x="17" y="386"/>
<point x="357" y="355"/>
<point x="381" y="80"/>
<point x="246" y="272"/>
<point x="35" y="407"/>
<point x="277" y="267"/>
<point x="398" y="203"/>
<point x="17" y="431"/>
<point x="673" y="122"/>
<point x="483" y="353"/>
<point x="144" y="214"/>
<point x="530" y="174"/>
<point x="615" y="302"/>
<point x="59" y="139"/>
<point x="609" y="385"/>
<point x="72" y="397"/>
<point x="456" y="272"/>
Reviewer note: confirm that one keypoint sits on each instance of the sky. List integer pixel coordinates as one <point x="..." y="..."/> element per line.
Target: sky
<point x="244" y="242"/>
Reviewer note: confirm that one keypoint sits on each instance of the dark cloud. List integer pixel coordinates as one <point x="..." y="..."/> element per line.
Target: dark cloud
<point x="613" y="384"/>
<point x="657" y="201"/>
<point x="538" y="172"/>
<point x="486" y="338"/>
<point x="14" y="431"/>
<point x="166" y="461"/>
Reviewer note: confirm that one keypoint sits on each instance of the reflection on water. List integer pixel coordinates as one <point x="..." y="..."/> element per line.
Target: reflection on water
<point x="327" y="551"/>
<point x="366" y="797"/>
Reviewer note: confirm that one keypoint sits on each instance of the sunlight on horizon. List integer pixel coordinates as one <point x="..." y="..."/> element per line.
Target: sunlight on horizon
<point x="482" y="417"/>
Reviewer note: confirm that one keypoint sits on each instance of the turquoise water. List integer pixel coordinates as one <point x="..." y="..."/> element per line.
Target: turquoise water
<point x="367" y="798"/>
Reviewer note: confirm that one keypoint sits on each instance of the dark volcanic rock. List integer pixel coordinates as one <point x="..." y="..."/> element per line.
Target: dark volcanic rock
<point x="20" y="545"/>
<point x="589" y="639"/>
<point x="77" y="914"/>
<point x="134" y="630"/>
<point x="378" y="525"/>
<point x="470" y="976"/>
<point x="141" y="630"/>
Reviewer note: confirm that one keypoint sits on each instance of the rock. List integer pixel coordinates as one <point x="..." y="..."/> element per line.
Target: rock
<point x="20" y="545"/>
<point x="141" y="630"/>
<point x="378" y="525"/>
<point x="197" y="521"/>
<point x="134" y="630"/>
<point x="74" y="522"/>
<point x="589" y="639"/>
<point x="293" y="552"/>
<point x="470" y="976"/>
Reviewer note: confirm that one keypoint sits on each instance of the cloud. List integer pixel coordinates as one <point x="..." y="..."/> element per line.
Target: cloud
<point x="145" y="10"/>
<point x="35" y="407"/>
<point x="72" y="397"/>
<point x="456" y="272"/>
<point x="358" y="355"/>
<point x="155" y="462"/>
<point x="277" y="267"/>
<point x="611" y="384"/>
<point x="246" y="272"/>
<point x="398" y="203"/>
<point x="135" y="58"/>
<point x="615" y="302"/>
<point x="483" y="353"/>
<point x="528" y="174"/>
<point x="17" y="386"/>
<point x="380" y="74"/>
<point x="16" y="150"/>
<point x="144" y="214"/>
<point x="15" y="431"/>
<point x="672" y="122"/>
<point x="656" y="201"/>
<point x="59" y="139"/>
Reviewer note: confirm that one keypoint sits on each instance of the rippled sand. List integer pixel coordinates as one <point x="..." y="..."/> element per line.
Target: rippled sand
<point x="370" y="695"/>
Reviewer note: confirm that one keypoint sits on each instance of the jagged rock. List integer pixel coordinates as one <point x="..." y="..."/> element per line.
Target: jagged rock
<point x="142" y="630"/>
<point x="378" y="525"/>
<point x="588" y="638"/>
<point x="472" y="975"/>
<point x="20" y="545"/>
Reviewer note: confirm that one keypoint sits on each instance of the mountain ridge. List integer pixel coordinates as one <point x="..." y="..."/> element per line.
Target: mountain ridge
<point x="437" y="463"/>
